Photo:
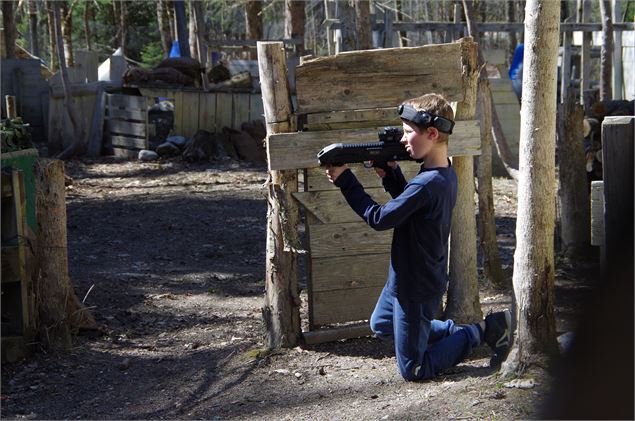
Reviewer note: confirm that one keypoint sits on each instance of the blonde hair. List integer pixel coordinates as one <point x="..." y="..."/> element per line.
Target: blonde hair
<point x="434" y="104"/>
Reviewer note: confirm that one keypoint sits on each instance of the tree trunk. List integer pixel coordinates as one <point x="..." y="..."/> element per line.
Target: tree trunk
<point x="363" y="25"/>
<point x="163" y="19"/>
<point x="33" y="29"/>
<point x="194" y="53"/>
<point x="60" y="311"/>
<point x="77" y="146"/>
<point x="584" y="16"/>
<point x="253" y="22"/>
<point x="403" y="35"/>
<point x="497" y="131"/>
<point x="294" y="20"/>
<point x="463" y="304"/>
<point x="510" y="12"/>
<point x="606" y="54"/>
<point x="52" y="37"/>
<point x="492" y="267"/>
<point x="67" y="33"/>
<point x="181" y="27"/>
<point x="534" y="270"/>
<point x="123" y="25"/>
<point x="346" y="15"/>
<point x="575" y="217"/>
<point x="88" y="17"/>
<point x="200" y="34"/>
<point x="281" y="309"/>
<point x="10" y="30"/>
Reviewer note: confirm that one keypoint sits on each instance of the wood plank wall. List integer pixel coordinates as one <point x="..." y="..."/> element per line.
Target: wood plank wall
<point x="211" y="111"/>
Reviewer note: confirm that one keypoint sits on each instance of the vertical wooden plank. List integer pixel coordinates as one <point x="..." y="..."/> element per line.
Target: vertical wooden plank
<point x="224" y="110"/>
<point x="178" y="110"/>
<point x="189" y="116"/>
<point x="256" y="112"/>
<point x="207" y="112"/>
<point x="241" y="109"/>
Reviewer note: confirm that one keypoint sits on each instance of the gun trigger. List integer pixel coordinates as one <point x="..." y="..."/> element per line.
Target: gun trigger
<point x="368" y="164"/>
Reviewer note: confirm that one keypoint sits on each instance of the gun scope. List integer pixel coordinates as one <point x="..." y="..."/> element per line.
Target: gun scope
<point x="390" y="134"/>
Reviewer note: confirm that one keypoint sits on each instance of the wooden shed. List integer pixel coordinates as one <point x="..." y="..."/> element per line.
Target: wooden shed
<point x="347" y="261"/>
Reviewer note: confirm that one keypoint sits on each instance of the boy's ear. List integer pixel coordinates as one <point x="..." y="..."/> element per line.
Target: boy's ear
<point x="433" y="133"/>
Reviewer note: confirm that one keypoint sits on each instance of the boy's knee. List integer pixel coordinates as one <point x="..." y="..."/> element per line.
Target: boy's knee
<point x="380" y="331"/>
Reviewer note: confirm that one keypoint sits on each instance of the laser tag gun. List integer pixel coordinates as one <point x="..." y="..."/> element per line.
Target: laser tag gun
<point x="388" y="148"/>
<point x="379" y="153"/>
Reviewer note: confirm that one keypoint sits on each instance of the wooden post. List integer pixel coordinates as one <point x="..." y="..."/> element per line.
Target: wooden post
<point x="617" y="169"/>
<point x="389" y="17"/>
<point x="463" y="302"/>
<point x="12" y="111"/>
<point x="281" y="310"/>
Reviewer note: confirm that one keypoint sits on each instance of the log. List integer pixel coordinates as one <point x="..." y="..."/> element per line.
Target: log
<point x="12" y="111"/>
<point x="281" y="309"/>
<point x="60" y="311"/>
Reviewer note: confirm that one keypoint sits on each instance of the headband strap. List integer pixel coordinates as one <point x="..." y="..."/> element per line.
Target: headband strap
<point x="425" y="119"/>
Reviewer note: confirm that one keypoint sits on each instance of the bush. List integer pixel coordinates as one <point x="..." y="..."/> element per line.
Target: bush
<point x="151" y="54"/>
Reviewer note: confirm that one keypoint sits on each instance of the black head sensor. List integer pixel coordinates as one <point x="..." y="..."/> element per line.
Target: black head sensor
<point x="425" y="119"/>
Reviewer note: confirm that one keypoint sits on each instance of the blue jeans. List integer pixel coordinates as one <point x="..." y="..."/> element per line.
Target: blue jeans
<point x="423" y="346"/>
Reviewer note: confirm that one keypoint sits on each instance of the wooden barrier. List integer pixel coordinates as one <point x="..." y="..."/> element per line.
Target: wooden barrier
<point x="127" y="124"/>
<point x="347" y="260"/>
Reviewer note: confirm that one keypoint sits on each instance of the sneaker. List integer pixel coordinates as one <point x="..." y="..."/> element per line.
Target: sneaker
<point x="498" y="335"/>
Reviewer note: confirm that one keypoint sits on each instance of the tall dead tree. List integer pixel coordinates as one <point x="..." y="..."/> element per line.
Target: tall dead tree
<point x="253" y="22"/>
<point x="534" y="270"/>
<point x="78" y="145"/>
<point x="89" y="16"/>
<point x="463" y="304"/>
<point x="67" y="32"/>
<point x="281" y="309"/>
<point x="575" y="217"/>
<point x="194" y="52"/>
<point x="492" y="267"/>
<point x="33" y="28"/>
<point x="363" y="25"/>
<point x="606" y="53"/>
<point x="294" y="20"/>
<point x="10" y="30"/>
<point x="52" y="37"/>
<point x="123" y="25"/>
<point x="163" y="20"/>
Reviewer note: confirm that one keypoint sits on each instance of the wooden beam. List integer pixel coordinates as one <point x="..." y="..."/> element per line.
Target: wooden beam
<point x="348" y="239"/>
<point x="353" y="81"/>
<point x="330" y="335"/>
<point x="300" y="149"/>
<point x="329" y="206"/>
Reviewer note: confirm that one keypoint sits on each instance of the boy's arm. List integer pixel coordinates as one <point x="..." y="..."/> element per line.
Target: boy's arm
<point x="393" y="181"/>
<point x="381" y="217"/>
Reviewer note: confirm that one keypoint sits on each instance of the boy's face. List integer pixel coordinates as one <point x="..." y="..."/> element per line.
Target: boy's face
<point x="418" y="142"/>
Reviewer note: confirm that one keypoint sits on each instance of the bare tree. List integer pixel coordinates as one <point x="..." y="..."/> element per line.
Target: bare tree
<point x="163" y="19"/>
<point x="363" y="25"/>
<point x="253" y="22"/>
<point x="52" y="38"/>
<point x="123" y="25"/>
<point x="534" y="269"/>
<point x="492" y="267"/>
<point x="606" y="53"/>
<point x="575" y="218"/>
<point x="67" y="32"/>
<point x="294" y="20"/>
<point x="33" y="29"/>
<point x="78" y="145"/>
<point x="10" y="30"/>
<point x="89" y="15"/>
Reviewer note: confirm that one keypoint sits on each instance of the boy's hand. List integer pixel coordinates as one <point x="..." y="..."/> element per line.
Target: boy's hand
<point x="381" y="172"/>
<point x="333" y="172"/>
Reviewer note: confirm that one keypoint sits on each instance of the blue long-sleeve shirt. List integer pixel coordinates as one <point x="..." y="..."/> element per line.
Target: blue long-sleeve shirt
<point x="420" y="214"/>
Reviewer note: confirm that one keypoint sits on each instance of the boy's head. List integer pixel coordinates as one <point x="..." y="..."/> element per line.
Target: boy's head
<point x="433" y="104"/>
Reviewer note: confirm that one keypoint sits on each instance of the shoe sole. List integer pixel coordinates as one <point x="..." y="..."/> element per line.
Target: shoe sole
<point x="497" y="360"/>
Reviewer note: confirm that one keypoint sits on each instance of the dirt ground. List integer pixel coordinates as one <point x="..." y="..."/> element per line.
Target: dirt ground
<point x="170" y="258"/>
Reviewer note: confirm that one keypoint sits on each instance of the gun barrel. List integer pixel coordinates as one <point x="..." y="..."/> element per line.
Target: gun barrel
<point x="340" y="153"/>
